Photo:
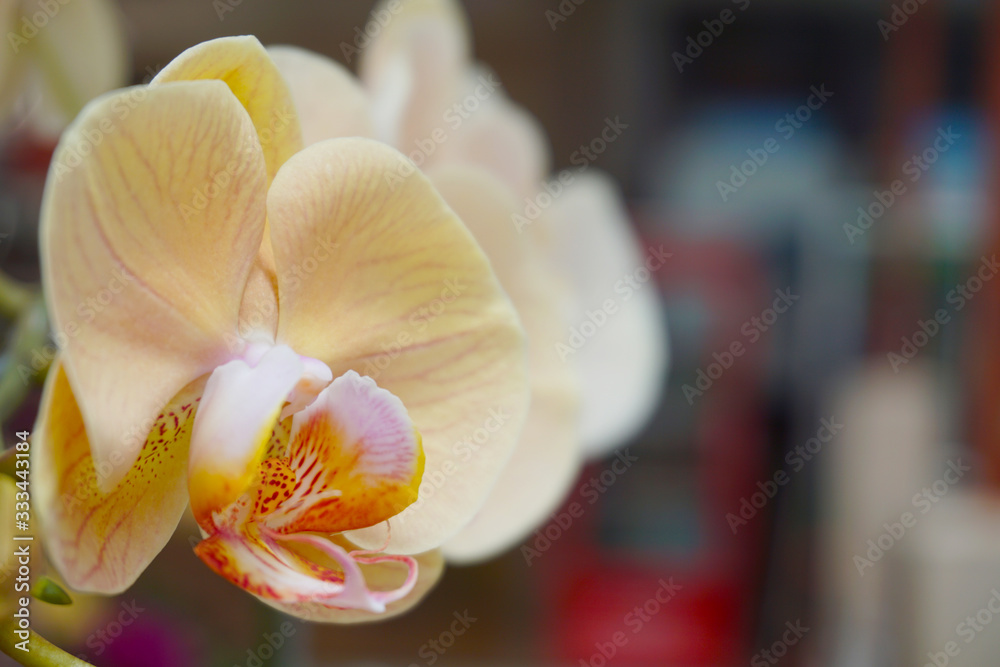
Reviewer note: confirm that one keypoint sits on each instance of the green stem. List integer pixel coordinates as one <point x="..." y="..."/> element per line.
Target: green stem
<point x="41" y="653"/>
<point x="18" y="364"/>
<point x="7" y="466"/>
<point x="14" y="296"/>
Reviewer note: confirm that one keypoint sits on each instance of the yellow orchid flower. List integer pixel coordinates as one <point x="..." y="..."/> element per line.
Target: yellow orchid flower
<point x="219" y="294"/>
<point x="421" y="82"/>
<point x="58" y="54"/>
<point x="547" y="458"/>
<point x="421" y="92"/>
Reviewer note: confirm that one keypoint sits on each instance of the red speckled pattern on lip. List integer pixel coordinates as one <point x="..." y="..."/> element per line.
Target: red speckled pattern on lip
<point x="351" y="459"/>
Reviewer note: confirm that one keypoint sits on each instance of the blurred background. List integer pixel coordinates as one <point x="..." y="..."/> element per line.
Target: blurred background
<point x="819" y="485"/>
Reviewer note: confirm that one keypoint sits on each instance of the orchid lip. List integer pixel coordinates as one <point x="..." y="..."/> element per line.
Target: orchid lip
<point x="284" y="455"/>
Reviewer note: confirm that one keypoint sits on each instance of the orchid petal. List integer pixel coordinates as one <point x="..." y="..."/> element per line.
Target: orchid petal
<point x="547" y="457"/>
<point x="413" y="68"/>
<point x="623" y="364"/>
<point x="327" y="583"/>
<point x="330" y="101"/>
<point x="101" y="541"/>
<point x="244" y="65"/>
<point x="258" y="319"/>
<point x="500" y="136"/>
<point x="237" y="416"/>
<point x="143" y="271"/>
<point x="355" y="458"/>
<point x="410" y="301"/>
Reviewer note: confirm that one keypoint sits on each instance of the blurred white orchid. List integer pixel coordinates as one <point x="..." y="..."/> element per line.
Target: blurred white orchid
<point x="58" y="55"/>
<point x="420" y="91"/>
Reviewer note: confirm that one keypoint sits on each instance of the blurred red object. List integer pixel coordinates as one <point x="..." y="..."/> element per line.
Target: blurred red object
<point x="695" y="607"/>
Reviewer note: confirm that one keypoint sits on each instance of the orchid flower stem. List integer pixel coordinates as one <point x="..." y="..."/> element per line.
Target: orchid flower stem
<point x="14" y="296"/>
<point x="18" y="365"/>
<point x="41" y="652"/>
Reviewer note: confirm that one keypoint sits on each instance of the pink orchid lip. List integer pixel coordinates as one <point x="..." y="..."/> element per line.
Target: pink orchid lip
<point x="266" y="563"/>
<point x="355" y="593"/>
<point x="352" y="459"/>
